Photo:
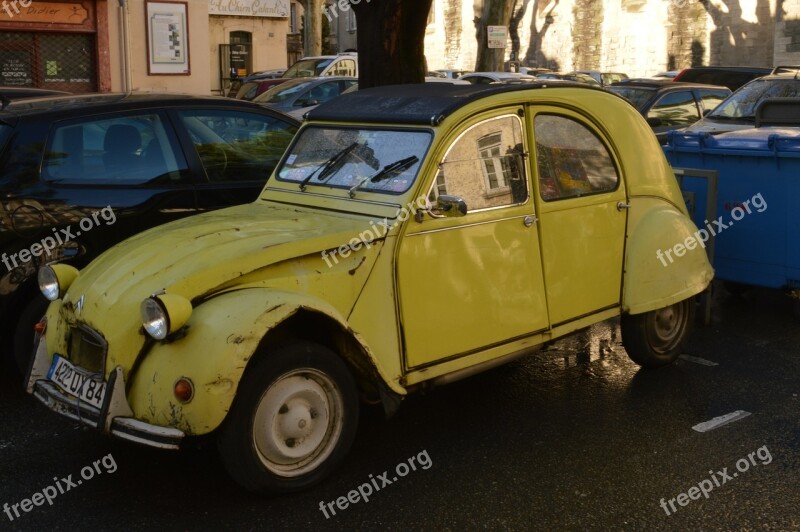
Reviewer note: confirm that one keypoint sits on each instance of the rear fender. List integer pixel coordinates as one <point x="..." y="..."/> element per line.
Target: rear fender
<point x="655" y="276"/>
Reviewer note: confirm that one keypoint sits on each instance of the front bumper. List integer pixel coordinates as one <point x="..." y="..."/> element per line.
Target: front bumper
<point x="114" y="416"/>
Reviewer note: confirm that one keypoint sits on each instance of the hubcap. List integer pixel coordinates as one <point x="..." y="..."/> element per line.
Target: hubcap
<point x="298" y="422"/>
<point x="666" y="327"/>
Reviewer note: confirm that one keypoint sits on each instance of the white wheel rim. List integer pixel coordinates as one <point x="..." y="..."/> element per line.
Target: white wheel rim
<point x="298" y="422"/>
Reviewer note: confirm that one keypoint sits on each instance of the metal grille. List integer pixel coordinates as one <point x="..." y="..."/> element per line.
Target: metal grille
<point x="87" y="349"/>
<point x="56" y="61"/>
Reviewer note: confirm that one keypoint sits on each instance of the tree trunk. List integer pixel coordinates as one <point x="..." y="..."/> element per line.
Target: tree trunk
<point x="312" y="42"/>
<point x="492" y="13"/>
<point x="391" y="41"/>
<point x="513" y="28"/>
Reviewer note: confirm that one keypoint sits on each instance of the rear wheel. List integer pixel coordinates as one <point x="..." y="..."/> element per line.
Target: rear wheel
<point x="656" y="338"/>
<point x="293" y="420"/>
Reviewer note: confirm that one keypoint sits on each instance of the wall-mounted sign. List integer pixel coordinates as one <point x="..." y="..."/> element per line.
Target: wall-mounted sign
<point x="50" y="12"/>
<point x="167" y="38"/>
<point x="498" y="36"/>
<point x="250" y="8"/>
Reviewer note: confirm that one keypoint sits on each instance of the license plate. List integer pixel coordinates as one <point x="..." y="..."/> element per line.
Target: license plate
<point x="77" y="382"/>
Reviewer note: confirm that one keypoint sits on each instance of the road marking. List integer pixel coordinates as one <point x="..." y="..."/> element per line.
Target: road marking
<point x="698" y="360"/>
<point x="720" y="421"/>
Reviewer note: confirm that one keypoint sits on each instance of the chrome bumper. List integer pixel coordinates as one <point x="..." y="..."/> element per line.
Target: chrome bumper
<point x="112" y="418"/>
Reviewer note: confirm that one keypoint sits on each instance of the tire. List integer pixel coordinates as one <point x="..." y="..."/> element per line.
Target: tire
<point x="307" y="384"/>
<point x="656" y="338"/>
<point x="24" y="334"/>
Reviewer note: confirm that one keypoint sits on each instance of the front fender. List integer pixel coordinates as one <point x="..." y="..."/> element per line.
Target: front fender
<point x="224" y="334"/>
<point x="651" y="281"/>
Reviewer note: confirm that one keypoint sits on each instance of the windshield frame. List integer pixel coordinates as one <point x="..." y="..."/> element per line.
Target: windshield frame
<point x="342" y="191"/>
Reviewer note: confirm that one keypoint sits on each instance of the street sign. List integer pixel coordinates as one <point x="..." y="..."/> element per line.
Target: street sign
<point x="498" y="36"/>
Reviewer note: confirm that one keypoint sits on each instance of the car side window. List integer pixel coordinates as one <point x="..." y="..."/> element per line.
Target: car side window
<point x="125" y="150"/>
<point x="345" y="67"/>
<point x="237" y="146"/>
<point x="571" y="160"/>
<point x="485" y="166"/>
<point x="322" y="92"/>
<point x="712" y="98"/>
<point x="675" y="109"/>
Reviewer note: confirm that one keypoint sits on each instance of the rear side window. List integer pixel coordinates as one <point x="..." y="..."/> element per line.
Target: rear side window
<point x="571" y="160"/>
<point x="235" y="145"/>
<point x="124" y="150"/>
<point x="675" y="109"/>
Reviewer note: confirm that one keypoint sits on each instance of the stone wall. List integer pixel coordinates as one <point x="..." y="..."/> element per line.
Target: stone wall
<point x="638" y="37"/>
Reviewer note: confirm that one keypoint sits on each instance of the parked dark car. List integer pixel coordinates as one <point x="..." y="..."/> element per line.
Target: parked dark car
<point x="138" y="159"/>
<point x="731" y="77"/>
<point x="298" y="96"/>
<point x="670" y="104"/>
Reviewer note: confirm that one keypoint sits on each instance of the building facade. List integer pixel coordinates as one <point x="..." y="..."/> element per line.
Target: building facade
<point x="187" y="46"/>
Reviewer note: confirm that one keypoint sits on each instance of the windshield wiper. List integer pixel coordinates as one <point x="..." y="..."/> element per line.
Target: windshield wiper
<point x="389" y="169"/>
<point x="330" y="166"/>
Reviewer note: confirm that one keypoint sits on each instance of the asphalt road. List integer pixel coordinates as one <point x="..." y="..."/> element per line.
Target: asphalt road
<point x="575" y="437"/>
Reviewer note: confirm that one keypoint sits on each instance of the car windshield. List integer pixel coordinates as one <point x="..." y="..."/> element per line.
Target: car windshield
<point x="743" y="103"/>
<point x="307" y="68"/>
<point x="349" y="155"/>
<point x="283" y="92"/>
<point x="638" y="96"/>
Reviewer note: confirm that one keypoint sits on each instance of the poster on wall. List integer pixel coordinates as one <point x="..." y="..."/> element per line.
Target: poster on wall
<point x="167" y="38"/>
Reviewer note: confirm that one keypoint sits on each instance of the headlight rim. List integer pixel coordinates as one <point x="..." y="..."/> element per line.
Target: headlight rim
<point x="165" y="316"/>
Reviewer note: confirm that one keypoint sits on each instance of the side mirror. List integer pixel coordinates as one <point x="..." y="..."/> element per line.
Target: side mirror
<point x="450" y="206"/>
<point x="654" y="122"/>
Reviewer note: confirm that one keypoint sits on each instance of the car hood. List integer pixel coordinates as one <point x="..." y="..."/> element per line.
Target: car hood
<point x="709" y="125"/>
<point x="196" y="255"/>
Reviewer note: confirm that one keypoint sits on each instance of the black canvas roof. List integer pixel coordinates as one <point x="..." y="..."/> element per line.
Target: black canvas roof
<point x="423" y="103"/>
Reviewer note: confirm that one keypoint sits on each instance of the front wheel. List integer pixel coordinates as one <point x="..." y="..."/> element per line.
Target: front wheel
<point x="656" y="338"/>
<point x="293" y="420"/>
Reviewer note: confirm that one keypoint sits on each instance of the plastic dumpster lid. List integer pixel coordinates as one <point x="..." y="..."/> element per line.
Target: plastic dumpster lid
<point x="766" y="139"/>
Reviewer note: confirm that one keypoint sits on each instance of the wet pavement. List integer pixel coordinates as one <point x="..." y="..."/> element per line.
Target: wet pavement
<point x="574" y="437"/>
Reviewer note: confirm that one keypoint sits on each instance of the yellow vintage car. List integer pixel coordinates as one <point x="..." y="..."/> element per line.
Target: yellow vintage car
<point x="410" y="236"/>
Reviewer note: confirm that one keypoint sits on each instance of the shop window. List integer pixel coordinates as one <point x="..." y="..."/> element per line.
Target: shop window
<point x="48" y="60"/>
<point x="571" y="160"/>
<point x="350" y="21"/>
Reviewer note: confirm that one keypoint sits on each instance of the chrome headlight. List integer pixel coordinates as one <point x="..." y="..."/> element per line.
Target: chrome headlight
<point x="164" y="314"/>
<point x="55" y="280"/>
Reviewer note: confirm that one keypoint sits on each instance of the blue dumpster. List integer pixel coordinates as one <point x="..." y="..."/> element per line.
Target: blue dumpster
<point x="757" y="221"/>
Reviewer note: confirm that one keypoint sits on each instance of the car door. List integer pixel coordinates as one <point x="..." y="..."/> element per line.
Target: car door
<point x="582" y="211"/>
<point x="467" y="283"/>
<point x="236" y="152"/>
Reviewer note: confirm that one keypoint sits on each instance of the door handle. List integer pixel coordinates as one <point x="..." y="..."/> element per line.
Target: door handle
<point x="622" y="205"/>
<point x="530" y="220"/>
